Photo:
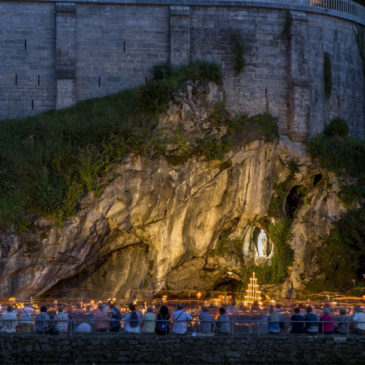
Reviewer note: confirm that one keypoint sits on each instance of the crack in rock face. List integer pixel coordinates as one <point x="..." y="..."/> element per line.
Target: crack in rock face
<point x="157" y="226"/>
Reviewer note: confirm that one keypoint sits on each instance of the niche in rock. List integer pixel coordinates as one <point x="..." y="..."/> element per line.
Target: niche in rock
<point x="261" y="243"/>
<point x="294" y="200"/>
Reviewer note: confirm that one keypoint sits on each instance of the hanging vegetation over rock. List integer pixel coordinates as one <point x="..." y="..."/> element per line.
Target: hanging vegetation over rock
<point x="345" y="244"/>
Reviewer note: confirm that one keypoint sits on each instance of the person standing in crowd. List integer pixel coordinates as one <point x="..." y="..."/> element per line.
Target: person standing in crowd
<point x="101" y="319"/>
<point x="342" y="323"/>
<point x="297" y="322"/>
<point x="77" y="316"/>
<point x="89" y="317"/>
<point x="149" y="321"/>
<point x="180" y="318"/>
<point x="311" y="321"/>
<point x="132" y="320"/>
<point x="284" y="318"/>
<point x="273" y="320"/>
<point x="326" y="322"/>
<point x="115" y="317"/>
<point x="9" y="320"/>
<point x="206" y="323"/>
<point x="359" y="321"/>
<point x="163" y="321"/>
<point x="62" y="320"/>
<point x="222" y="322"/>
<point x="26" y="318"/>
<point x="51" y="329"/>
<point x="41" y="321"/>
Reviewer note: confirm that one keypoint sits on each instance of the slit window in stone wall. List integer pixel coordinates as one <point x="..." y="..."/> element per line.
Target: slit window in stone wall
<point x="124" y="47"/>
<point x="16" y="79"/>
<point x="39" y="80"/>
<point x="25" y="44"/>
<point x="32" y="104"/>
<point x="99" y="81"/>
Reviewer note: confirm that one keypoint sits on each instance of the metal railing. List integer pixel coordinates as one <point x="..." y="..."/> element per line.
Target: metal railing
<point x="350" y="8"/>
<point x="194" y="327"/>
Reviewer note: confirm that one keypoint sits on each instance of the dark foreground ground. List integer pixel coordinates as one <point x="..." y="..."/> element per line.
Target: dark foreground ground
<point x="136" y="349"/>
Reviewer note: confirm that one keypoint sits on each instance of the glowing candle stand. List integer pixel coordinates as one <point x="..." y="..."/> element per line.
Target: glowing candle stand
<point x="253" y="294"/>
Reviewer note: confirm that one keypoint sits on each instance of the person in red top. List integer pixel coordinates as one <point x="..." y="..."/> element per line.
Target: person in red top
<point x="326" y="322"/>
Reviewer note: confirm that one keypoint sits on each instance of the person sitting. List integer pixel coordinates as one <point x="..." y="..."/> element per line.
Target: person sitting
<point x="149" y="321"/>
<point x="9" y="320"/>
<point x="132" y="320"/>
<point x="311" y="321"/>
<point x="222" y="323"/>
<point x="51" y="328"/>
<point x="180" y="318"/>
<point x="342" y="323"/>
<point x="62" y="320"/>
<point x="163" y="321"/>
<point x="358" y="320"/>
<point x="206" y="323"/>
<point x="26" y="316"/>
<point x="77" y="316"/>
<point x="297" y="322"/>
<point x="115" y="317"/>
<point x="273" y="319"/>
<point x="326" y="322"/>
<point x="41" y="321"/>
<point x="101" y="319"/>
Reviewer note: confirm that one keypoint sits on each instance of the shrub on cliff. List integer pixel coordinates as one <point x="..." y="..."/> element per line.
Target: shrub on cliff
<point x="345" y="244"/>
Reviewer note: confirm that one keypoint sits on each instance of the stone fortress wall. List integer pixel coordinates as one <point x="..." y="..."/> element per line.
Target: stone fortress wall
<point x="53" y="54"/>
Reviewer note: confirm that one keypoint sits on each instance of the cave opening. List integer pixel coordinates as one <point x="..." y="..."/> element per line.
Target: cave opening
<point x="317" y="178"/>
<point x="293" y="201"/>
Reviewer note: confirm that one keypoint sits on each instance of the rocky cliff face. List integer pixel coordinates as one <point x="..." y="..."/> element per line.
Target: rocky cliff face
<point x="157" y="225"/>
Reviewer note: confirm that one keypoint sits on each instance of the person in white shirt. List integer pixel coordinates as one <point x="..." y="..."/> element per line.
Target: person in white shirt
<point x="26" y="316"/>
<point x="180" y="319"/>
<point x="9" y="321"/>
<point x="149" y="321"/>
<point x="359" y="321"/>
<point x="62" y="318"/>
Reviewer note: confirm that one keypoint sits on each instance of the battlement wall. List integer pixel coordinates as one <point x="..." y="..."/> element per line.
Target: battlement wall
<point x="54" y="54"/>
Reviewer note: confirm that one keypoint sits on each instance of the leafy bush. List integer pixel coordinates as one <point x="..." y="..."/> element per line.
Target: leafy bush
<point x="337" y="127"/>
<point x="327" y="72"/>
<point x="243" y="128"/>
<point x="342" y="155"/>
<point x="345" y="245"/>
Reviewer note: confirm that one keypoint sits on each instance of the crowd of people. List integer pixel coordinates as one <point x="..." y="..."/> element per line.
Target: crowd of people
<point x="104" y="317"/>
